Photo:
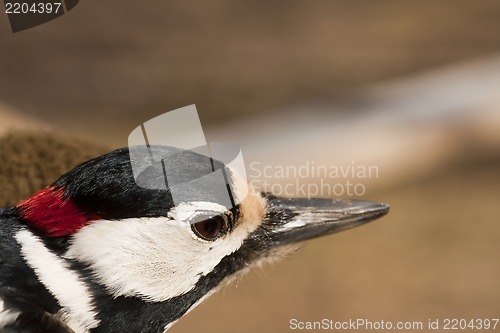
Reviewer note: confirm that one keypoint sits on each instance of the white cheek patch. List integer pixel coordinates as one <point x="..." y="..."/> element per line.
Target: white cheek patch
<point x="151" y="258"/>
<point x="71" y="292"/>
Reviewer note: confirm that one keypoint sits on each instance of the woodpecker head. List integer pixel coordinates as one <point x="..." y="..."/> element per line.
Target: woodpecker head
<point x="135" y="244"/>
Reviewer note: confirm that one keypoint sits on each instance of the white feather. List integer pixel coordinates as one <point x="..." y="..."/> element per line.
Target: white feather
<point x="185" y="212"/>
<point x="7" y="316"/>
<point x="63" y="283"/>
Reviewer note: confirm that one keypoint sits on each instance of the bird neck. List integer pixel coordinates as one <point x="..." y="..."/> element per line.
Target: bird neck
<point x="132" y="314"/>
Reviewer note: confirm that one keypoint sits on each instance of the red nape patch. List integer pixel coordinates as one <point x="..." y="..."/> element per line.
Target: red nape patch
<point x="48" y="211"/>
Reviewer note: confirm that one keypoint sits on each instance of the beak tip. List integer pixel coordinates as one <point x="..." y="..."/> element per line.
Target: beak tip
<point x="361" y="207"/>
<point x="381" y="208"/>
<point x="368" y="210"/>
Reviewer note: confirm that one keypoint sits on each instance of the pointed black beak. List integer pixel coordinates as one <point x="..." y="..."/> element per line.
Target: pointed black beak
<point x="291" y="220"/>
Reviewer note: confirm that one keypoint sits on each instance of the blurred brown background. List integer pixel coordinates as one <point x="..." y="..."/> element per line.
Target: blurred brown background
<point x="277" y="76"/>
<point x="123" y="59"/>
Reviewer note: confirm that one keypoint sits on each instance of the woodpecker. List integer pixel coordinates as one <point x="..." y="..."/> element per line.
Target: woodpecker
<point x="96" y="253"/>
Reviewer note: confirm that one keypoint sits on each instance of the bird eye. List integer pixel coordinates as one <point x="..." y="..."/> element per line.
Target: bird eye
<point x="210" y="229"/>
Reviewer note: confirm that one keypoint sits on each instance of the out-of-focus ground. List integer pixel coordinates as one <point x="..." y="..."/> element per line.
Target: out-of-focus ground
<point x="267" y="66"/>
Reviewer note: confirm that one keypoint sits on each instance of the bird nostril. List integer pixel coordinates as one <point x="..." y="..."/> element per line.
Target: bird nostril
<point x="209" y="229"/>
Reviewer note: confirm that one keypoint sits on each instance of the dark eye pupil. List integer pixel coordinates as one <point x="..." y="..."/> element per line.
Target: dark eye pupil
<point x="209" y="229"/>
